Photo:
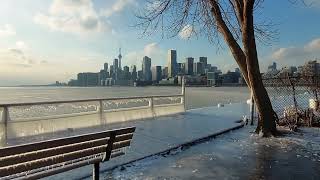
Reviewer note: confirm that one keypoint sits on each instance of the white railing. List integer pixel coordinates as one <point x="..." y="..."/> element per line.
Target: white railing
<point x="36" y="118"/>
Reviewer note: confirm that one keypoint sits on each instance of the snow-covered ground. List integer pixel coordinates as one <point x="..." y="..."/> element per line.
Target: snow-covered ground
<point x="236" y="155"/>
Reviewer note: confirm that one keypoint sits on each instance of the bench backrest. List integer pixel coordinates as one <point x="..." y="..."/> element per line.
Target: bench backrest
<point x="50" y="157"/>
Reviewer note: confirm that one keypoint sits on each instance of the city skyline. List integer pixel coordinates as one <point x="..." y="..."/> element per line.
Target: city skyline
<point x="38" y="45"/>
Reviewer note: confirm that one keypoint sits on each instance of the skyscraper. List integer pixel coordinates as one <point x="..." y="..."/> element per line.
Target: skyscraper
<point x="172" y="63"/>
<point x="204" y="61"/>
<point x="111" y="71"/>
<point x="126" y="73"/>
<point x="134" y="74"/>
<point x="189" y="65"/>
<point x="146" y="68"/>
<point x="164" y="73"/>
<point x="156" y="73"/>
<point x="115" y="69"/>
<point x="105" y="67"/>
<point x="198" y="68"/>
<point x="181" y="69"/>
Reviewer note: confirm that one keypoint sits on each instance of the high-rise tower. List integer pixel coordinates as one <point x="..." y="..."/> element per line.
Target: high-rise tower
<point x="120" y="57"/>
<point x="172" y="63"/>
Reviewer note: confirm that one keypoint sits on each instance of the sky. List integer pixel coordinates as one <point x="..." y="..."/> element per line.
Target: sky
<point x="43" y="41"/>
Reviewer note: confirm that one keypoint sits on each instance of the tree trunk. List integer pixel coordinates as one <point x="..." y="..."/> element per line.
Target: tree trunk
<point x="267" y="120"/>
<point x="247" y="60"/>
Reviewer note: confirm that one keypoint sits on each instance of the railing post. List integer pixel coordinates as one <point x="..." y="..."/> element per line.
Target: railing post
<point x="95" y="172"/>
<point x="151" y="105"/>
<point x="101" y="112"/>
<point x="5" y="119"/>
<point x="183" y="92"/>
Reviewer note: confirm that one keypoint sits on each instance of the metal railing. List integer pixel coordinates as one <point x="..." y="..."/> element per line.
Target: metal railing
<point x="27" y="124"/>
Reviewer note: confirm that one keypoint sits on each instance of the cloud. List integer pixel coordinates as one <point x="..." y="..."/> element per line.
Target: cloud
<point x="186" y="32"/>
<point x="118" y="6"/>
<point x="21" y="45"/>
<point x="7" y="30"/>
<point x="298" y="55"/>
<point x="151" y="50"/>
<point x="74" y="16"/>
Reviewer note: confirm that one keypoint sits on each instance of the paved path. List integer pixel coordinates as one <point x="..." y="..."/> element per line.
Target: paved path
<point x="156" y="135"/>
<point x="236" y="155"/>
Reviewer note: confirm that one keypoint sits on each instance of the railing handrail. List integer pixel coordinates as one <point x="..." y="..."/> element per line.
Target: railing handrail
<point x="86" y="100"/>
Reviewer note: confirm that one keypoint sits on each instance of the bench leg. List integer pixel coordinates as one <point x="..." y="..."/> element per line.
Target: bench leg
<point x="95" y="173"/>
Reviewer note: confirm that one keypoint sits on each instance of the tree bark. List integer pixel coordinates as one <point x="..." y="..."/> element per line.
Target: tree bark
<point x="267" y="121"/>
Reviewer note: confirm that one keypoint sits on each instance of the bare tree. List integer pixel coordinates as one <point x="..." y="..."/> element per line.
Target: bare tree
<point x="231" y="20"/>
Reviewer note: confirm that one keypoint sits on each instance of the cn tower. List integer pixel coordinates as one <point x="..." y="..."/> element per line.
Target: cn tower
<point x="120" y="57"/>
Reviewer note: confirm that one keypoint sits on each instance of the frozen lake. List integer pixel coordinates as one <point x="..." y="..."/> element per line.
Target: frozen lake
<point x="196" y="97"/>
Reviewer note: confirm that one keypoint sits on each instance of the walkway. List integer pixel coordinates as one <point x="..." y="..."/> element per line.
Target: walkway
<point x="156" y="135"/>
<point x="236" y="155"/>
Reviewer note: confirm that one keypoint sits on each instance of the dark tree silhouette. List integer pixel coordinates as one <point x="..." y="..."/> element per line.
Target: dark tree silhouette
<point x="230" y="20"/>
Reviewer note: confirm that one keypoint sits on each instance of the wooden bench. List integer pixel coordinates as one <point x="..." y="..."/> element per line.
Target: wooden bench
<point x="46" y="158"/>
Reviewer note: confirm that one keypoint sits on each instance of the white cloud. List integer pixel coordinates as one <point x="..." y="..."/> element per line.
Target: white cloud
<point x="186" y="32"/>
<point x="298" y="55"/>
<point x="151" y="50"/>
<point x="75" y="16"/>
<point x="7" y="30"/>
<point x="22" y="45"/>
<point x="118" y="6"/>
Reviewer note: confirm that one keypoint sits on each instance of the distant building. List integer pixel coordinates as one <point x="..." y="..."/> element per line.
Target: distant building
<point x="230" y="78"/>
<point x="105" y="67"/>
<point x="311" y="68"/>
<point x="213" y="79"/>
<point x="111" y="71"/>
<point x="134" y="74"/>
<point x="102" y="77"/>
<point x="88" y="79"/>
<point x="156" y="73"/>
<point x="140" y="75"/>
<point x="146" y="68"/>
<point x="237" y="70"/>
<point x="165" y="73"/>
<point x="204" y="61"/>
<point x="115" y="69"/>
<point x="73" y="82"/>
<point x="172" y="63"/>
<point x="189" y="66"/>
<point x="214" y="69"/>
<point x="126" y="73"/>
<point x="272" y="67"/>
<point x="181" y="68"/>
<point x="198" y="68"/>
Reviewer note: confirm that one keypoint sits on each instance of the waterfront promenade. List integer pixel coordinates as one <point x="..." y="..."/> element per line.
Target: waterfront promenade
<point x="235" y="155"/>
<point x="162" y="133"/>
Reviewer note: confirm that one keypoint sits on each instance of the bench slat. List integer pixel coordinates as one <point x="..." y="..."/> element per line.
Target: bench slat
<point x="75" y="151"/>
<point x="66" y="168"/>
<point x="19" y="149"/>
<point x="23" y="167"/>
<point x="123" y="137"/>
<point x="12" y="160"/>
<point x="122" y="144"/>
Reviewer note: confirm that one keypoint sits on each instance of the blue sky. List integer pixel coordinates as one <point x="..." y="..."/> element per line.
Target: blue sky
<point x="42" y="41"/>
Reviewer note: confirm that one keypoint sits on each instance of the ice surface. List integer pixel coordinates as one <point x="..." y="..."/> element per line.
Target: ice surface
<point x="237" y="155"/>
